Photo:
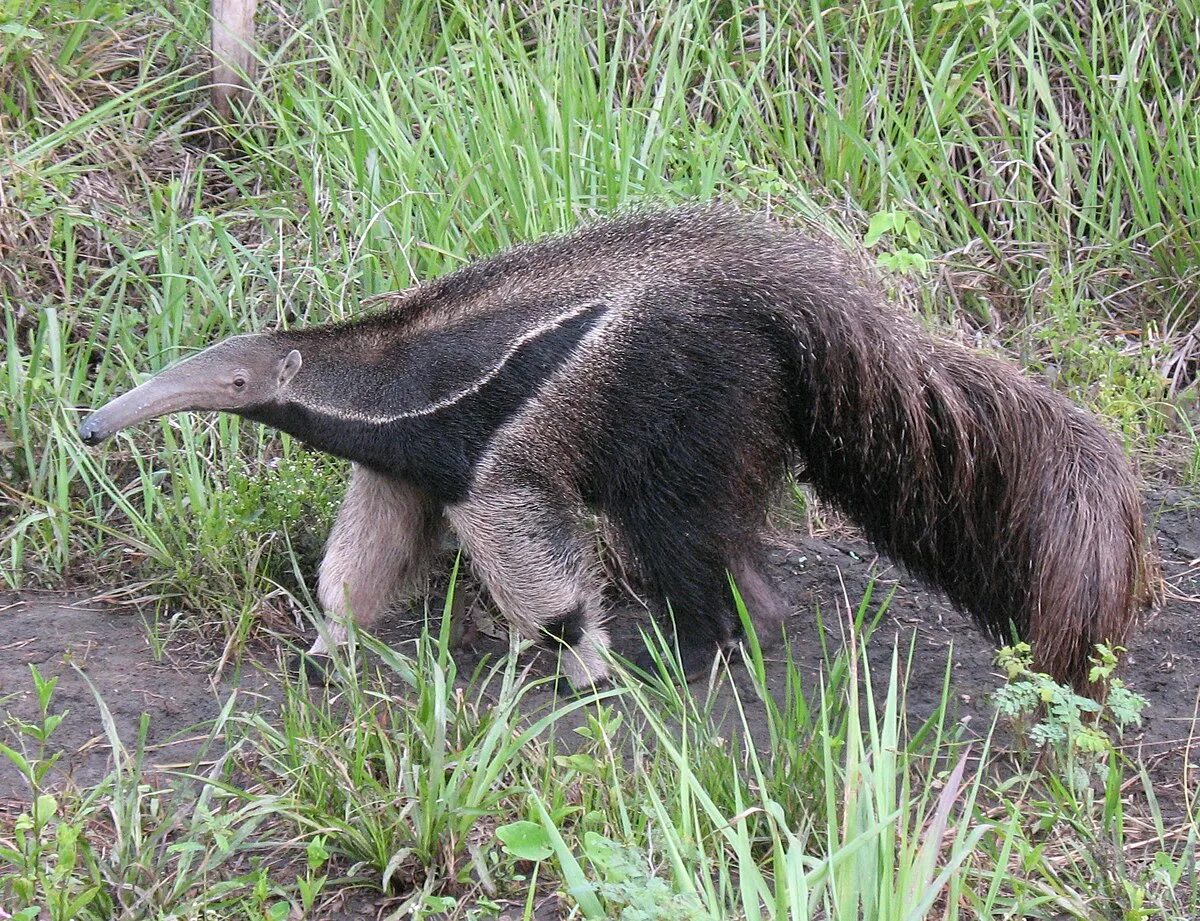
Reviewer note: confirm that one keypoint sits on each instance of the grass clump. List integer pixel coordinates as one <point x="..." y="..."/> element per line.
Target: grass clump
<point x="631" y="803"/>
<point x="135" y="845"/>
<point x="1116" y="373"/>
<point x="421" y="792"/>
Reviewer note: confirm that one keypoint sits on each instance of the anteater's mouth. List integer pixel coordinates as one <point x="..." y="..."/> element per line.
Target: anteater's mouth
<point x="90" y="431"/>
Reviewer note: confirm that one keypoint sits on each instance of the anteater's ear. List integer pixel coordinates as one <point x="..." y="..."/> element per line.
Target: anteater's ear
<point x="289" y="366"/>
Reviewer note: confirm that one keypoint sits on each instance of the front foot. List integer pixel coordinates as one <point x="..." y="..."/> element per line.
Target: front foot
<point x="317" y="669"/>
<point x="317" y="664"/>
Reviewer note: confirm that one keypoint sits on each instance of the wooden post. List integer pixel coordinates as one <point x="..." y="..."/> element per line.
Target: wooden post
<point x="232" y="51"/>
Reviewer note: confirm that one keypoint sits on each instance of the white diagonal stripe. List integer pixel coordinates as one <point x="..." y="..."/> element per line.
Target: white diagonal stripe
<point x="338" y="412"/>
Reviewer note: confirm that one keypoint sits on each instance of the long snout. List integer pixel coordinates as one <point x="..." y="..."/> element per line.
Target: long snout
<point x="179" y="388"/>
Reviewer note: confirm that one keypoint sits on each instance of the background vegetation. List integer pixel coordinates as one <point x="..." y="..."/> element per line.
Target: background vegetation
<point x="1026" y="174"/>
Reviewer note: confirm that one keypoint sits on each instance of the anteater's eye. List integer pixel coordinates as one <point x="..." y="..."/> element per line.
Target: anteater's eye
<point x="239" y="382"/>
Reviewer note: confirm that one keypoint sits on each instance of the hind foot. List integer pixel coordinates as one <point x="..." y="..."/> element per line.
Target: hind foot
<point x="766" y="606"/>
<point x="694" y="660"/>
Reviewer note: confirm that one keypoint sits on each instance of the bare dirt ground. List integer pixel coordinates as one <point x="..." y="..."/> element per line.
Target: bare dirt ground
<point x="70" y="637"/>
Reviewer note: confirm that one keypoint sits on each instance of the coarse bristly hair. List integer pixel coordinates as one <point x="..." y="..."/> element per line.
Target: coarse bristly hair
<point x="663" y="371"/>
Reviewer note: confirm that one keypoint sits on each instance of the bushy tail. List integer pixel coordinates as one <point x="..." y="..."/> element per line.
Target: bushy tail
<point x="1013" y="500"/>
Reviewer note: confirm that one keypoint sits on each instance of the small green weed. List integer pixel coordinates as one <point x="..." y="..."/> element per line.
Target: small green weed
<point x="1088" y="824"/>
<point x="1056" y="718"/>
<point x="51" y="866"/>
<point x="50" y="863"/>
<point x="900" y="229"/>
<point x="628" y="889"/>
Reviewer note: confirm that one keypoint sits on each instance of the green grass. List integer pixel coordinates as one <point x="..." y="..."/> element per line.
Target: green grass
<point x="1027" y="173"/>
<point x="457" y="798"/>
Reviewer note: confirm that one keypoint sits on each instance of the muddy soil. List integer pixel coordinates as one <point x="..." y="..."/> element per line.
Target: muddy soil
<point x="102" y="652"/>
<point x="86" y="644"/>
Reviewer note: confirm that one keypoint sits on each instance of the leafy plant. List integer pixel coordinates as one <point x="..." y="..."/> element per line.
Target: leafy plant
<point x="629" y="891"/>
<point x="294" y="495"/>
<point x="1055" y="716"/>
<point x="898" y="227"/>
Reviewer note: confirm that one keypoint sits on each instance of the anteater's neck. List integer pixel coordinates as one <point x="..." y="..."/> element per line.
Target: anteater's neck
<point x="425" y="408"/>
<point x="322" y="427"/>
<point x="350" y="398"/>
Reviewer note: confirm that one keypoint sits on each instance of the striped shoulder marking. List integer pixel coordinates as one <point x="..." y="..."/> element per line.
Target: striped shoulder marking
<point x="604" y="316"/>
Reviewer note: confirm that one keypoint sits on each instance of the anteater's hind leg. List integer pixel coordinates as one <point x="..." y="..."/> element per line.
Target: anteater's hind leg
<point x="691" y="580"/>
<point x="533" y="553"/>
<point x="691" y="585"/>
<point x="681" y="566"/>
<point x="686" y="545"/>
<point x="382" y="543"/>
<point x="766" y="606"/>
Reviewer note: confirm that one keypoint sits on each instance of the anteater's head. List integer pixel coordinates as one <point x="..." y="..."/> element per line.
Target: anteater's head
<point x="241" y="375"/>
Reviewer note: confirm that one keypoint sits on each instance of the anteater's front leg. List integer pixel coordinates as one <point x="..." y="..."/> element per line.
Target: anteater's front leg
<point x="381" y="545"/>
<point x="529" y="548"/>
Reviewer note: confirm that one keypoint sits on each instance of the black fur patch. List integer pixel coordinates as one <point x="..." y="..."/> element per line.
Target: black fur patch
<point x="438" y="452"/>
<point x="567" y="629"/>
